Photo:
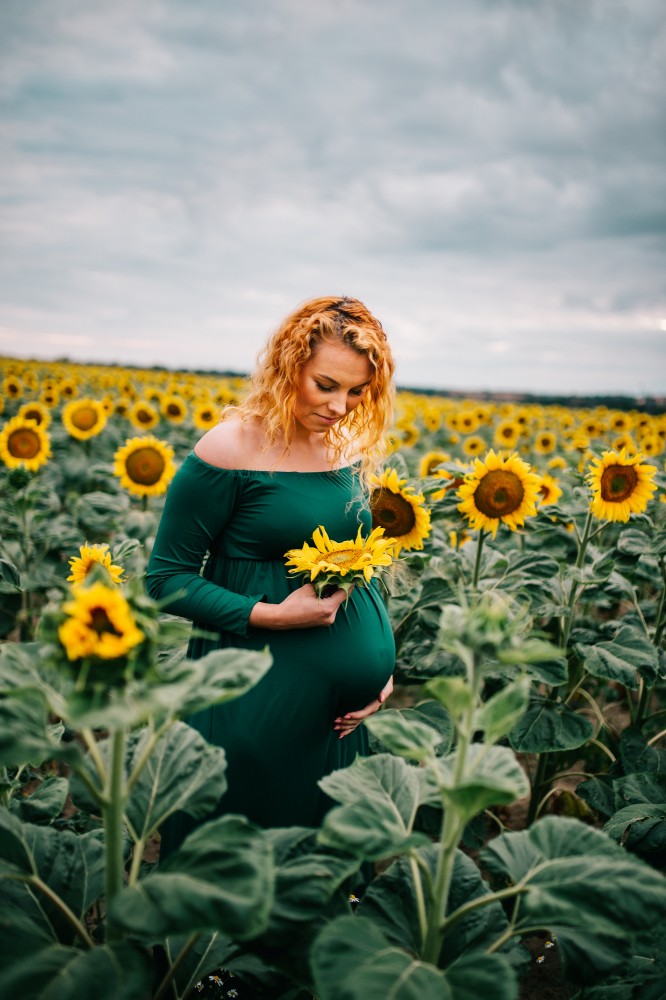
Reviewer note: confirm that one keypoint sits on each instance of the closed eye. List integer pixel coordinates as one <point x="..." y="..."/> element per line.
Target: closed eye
<point x="330" y="388"/>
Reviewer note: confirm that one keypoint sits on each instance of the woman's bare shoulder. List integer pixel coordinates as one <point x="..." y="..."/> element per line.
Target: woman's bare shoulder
<point x="229" y="445"/>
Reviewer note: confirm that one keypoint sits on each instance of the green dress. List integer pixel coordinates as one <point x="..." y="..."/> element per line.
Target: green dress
<point x="278" y="738"/>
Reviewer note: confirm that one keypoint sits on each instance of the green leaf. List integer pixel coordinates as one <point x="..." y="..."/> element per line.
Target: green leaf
<point x="185" y="687"/>
<point x="221" y="675"/>
<point x="390" y="903"/>
<point x="183" y="772"/>
<point x="221" y="878"/>
<point x="501" y="712"/>
<point x="380" y="796"/>
<point x="407" y="737"/>
<point x="351" y="961"/>
<point x="641" y="543"/>
<point x="637" y="755"/>
<point x="477" y="974"/>
<point x="598" y="792"/>
<point x="24" y="927"/>
<point x="453" y="692"/>
<point x="640" y="827"/>
<point x="72" y="866"/>
<point x="208" y="953"/>
<point x="108" y="972"/>
<point x="623" y="658"/>
<point x="493" y="776"/>
<point x="25" y="734"/>
<point x="549" y="726"/>
<point x="309" y="892"/>
<point x="565" y="869"/>
<point x="44" y="804"/>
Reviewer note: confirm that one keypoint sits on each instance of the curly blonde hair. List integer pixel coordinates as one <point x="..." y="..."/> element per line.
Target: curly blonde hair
<point x="275" y="383"/>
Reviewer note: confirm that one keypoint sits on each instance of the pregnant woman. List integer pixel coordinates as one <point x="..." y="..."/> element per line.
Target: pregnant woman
<point x="295" y="454"/>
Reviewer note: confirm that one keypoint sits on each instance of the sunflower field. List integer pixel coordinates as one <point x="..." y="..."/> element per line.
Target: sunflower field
<point x="510" y="826"/>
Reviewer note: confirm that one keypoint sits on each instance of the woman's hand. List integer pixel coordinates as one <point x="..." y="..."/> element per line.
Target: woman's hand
<point x="302" y="609"/>
<point x="346" y="724"/>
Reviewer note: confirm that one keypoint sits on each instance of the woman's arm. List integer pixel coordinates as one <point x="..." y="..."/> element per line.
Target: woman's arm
<point x="198" y="506"/>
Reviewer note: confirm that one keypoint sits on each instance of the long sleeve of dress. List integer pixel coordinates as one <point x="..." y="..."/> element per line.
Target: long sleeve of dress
<point x="199" y="504"/>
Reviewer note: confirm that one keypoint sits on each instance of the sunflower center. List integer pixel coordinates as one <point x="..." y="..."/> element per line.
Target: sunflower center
<point x="84" y="417"/>
<point x="343" y="557"/>
<point x="392" y="512"/>
<point x="101" y="623"/>
<point x="173" y="410"/>
<point x="499" y="493"/>
<point x="144" y="416"/>
<point x="145" y="466"/>
<point x="618" y="482"/>
<point x="23" y="443"/>
<point x="36" y="415"/>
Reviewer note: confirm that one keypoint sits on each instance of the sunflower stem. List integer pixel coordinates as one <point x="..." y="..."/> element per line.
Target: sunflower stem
<point x="660" y="621"/>
<point x="477" y="561"/>
<point x="112" y="814"/>
<point x="538" y="782"/>
<point x="643" y="703"/>
<point x="452" y="828"/>
<point x="566" y="622"/>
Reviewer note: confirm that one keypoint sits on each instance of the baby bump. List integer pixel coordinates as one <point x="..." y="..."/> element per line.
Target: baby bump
<point x="355" y="657"/>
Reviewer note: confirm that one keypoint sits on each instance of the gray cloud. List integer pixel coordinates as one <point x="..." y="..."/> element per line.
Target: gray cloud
<point x="487" y="176"/>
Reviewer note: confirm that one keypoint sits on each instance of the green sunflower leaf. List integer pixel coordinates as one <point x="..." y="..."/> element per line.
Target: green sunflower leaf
<point x="623" y="658"/>
<point x="120" y="971"/>
<point x="380" y="796"/>
<point x="221" y="878"/>
<point x="549" y="726"/>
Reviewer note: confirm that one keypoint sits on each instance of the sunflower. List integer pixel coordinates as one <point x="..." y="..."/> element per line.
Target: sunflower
<point x="550" y="490"/>
<point x="24" y="444"/>
<point x="99" y="623"/>
<point x="621" y="422"/>
<point x="143" y="415"/>
<point x="144" y="465"/>
<point x="399" y="511"/>
<point x="651" y="445"/>
<point x="49" y="397"/>
<point x="67" y="388"/>
<point x="621" y="485"/>
<point x="173" y="408"/>
<point x="430" y="461"/>
<point x="12" y="387"/>
<point x="473" y="445"/>
<point x="93" y="555"/>
<point x="468" y="421"/>
<point x="122" y="405"/>
<point x="341" y="564"/>
<point x="499" y="489"/>
<point x="432" y="418"/>
<point x="507" y="433"/>
<point x="35" y="411"/>
<point x="84" y="418"/>
<point x="624" y="441"/>
<point x="545" y="442"/>
<point x="407" y="433"/>
<point x="205" y="416"/>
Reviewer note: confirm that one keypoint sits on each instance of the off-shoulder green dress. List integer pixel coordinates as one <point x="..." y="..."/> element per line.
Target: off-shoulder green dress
<point x="220" y="548"/>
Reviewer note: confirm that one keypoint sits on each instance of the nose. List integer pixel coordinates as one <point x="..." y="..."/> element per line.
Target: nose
<point x="336" y="404"/>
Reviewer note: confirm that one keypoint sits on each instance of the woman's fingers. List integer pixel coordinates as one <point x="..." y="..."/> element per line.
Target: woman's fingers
<point x="346" y="724"/>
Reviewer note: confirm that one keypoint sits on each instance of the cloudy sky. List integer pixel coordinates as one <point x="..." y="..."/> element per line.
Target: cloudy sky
<point x="487" y="175"/>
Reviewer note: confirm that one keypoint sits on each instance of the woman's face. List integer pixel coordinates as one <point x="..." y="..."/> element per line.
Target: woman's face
<point x="332" y="383"/>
